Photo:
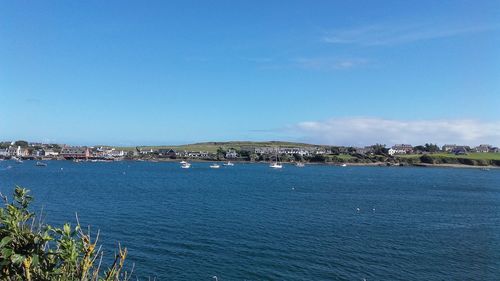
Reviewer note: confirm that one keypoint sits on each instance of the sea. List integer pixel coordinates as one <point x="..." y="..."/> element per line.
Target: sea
<point x="251" y="222"/>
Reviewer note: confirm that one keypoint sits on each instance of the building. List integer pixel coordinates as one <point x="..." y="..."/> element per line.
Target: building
<point x="460" y="149"/>
<point x="400" y="149"/>
<point x="38" y="153"/>
<point x="294" y="150"/>
<point x="50" y="153"/>
<point x="448" y="147"/>
<point x="483" y="148"/>
<point x="75" y="152"/>
<point x="145" y="151"/>
<point x="231" y="154"/>
<point x="167" y="153"/>
<point x="116" y="153"/>
<point x="364" y="150"/>
<point x="265" y="150"/>
<point x="4" y="152"/>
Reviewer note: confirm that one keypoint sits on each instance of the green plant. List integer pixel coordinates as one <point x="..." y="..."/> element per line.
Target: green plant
<point x="32" y="250"/>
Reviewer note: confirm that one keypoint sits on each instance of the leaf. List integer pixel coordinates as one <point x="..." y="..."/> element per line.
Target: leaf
<point x="35" y="260"/>
<point x="5" y="241"/>
<point x="6" y="252"/>
<point x="16" y="258"/>
<point x="67" y="229"/>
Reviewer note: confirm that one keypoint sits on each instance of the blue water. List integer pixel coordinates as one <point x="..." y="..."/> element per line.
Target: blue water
<point x="249" y="222"/>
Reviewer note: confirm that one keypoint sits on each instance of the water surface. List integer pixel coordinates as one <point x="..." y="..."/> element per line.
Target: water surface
<point x="249" y="222"/>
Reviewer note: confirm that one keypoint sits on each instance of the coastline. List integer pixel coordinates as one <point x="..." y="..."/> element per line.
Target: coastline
<point x="372" y="164"/>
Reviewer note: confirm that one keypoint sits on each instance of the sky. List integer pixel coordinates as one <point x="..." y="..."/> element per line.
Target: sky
<point x="325" y="72"/>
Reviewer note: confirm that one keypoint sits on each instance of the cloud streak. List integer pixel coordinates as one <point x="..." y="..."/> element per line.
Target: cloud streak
<point x="365" y="130"/>
<point x="393" y="34"/>
<point x="330" y="63"/>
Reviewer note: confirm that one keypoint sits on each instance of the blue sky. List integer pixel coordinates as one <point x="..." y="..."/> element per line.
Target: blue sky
<point x="169" y="72"/>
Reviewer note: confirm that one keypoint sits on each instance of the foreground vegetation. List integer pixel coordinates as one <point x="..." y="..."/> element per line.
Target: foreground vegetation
<point x="32" y="250"/>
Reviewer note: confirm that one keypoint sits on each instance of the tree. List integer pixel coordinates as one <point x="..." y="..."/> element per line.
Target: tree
<point x="221" y="152"/>
<point x="419" y="148"/>
<point x="335" y="150"/>
<point x="379" y="149"/>
<point x="318" y="158"/>
<point x="429" y="147"/>
<point x="21" y="143"/>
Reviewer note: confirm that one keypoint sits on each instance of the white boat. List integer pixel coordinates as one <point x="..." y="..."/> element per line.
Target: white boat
<point x="300" y="164"/>
<point x="344" y="165"/>
<point x="41" y="164"/>
<point x="228" y="164"/>
<point x="186" y="165"/>
<point x="276" y="164"/>
<point x="215" y="166"/>
<point x="18" y="160"/>
<point x="183" y="162"/>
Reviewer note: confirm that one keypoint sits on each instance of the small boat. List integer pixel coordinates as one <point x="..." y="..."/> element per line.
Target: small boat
<point x="228" y="164"/>
<point x="344" y="165"/>
<point x="18" y="160"/>
<point x="215" y="166"/>
<point x="300" y="165"/>
<point x="183" y="162"/>
<point x="41" y="164"/>
<point x="186" y="165"/>
<point x="276" y="164"/>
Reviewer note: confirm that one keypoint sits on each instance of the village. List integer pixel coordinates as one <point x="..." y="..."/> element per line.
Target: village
<point x="311" y="153"/>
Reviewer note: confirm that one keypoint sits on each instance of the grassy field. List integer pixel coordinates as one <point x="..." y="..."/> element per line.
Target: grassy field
<point x="472" y="156"/>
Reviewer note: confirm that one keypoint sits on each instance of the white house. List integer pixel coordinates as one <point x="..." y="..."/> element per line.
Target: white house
<point x="51" y="152"/>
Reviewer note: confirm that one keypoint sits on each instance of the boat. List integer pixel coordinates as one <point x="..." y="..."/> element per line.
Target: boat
<point x="41" y="164"/>
<point x="186" y="165"/>
<point x="228" y="164"/>
<point x="276" y="164"/>
<point x="300" y="164"/>
<point x="215" y="166"/>
<point x="183" y="162"/>
<point x="18" y="160"/>
<point x="344" y="165"/>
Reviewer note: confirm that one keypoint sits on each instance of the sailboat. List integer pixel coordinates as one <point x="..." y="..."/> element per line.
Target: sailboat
<point x="185" y="165"/>
<point x="276" y="164"/>
<point x="228" y="164"/>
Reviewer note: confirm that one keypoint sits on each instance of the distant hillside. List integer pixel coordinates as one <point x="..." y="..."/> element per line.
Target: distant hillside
<point x="238" y="145"/>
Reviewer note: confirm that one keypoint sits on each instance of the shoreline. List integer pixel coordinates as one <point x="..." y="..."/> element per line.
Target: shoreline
<point x="373" y="164"/>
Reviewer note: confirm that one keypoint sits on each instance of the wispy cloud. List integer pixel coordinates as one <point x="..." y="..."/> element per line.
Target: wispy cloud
<point x="329" y="63"/>
<point x="393" y="34"/>
<point x="367" y="130"/>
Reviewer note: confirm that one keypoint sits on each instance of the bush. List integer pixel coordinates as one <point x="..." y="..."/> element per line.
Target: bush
<point x="426" y="159"/>
<point x="32" y="250"/>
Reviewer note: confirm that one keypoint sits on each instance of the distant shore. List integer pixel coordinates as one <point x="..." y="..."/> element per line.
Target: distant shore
<point x="370" y="164"/>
